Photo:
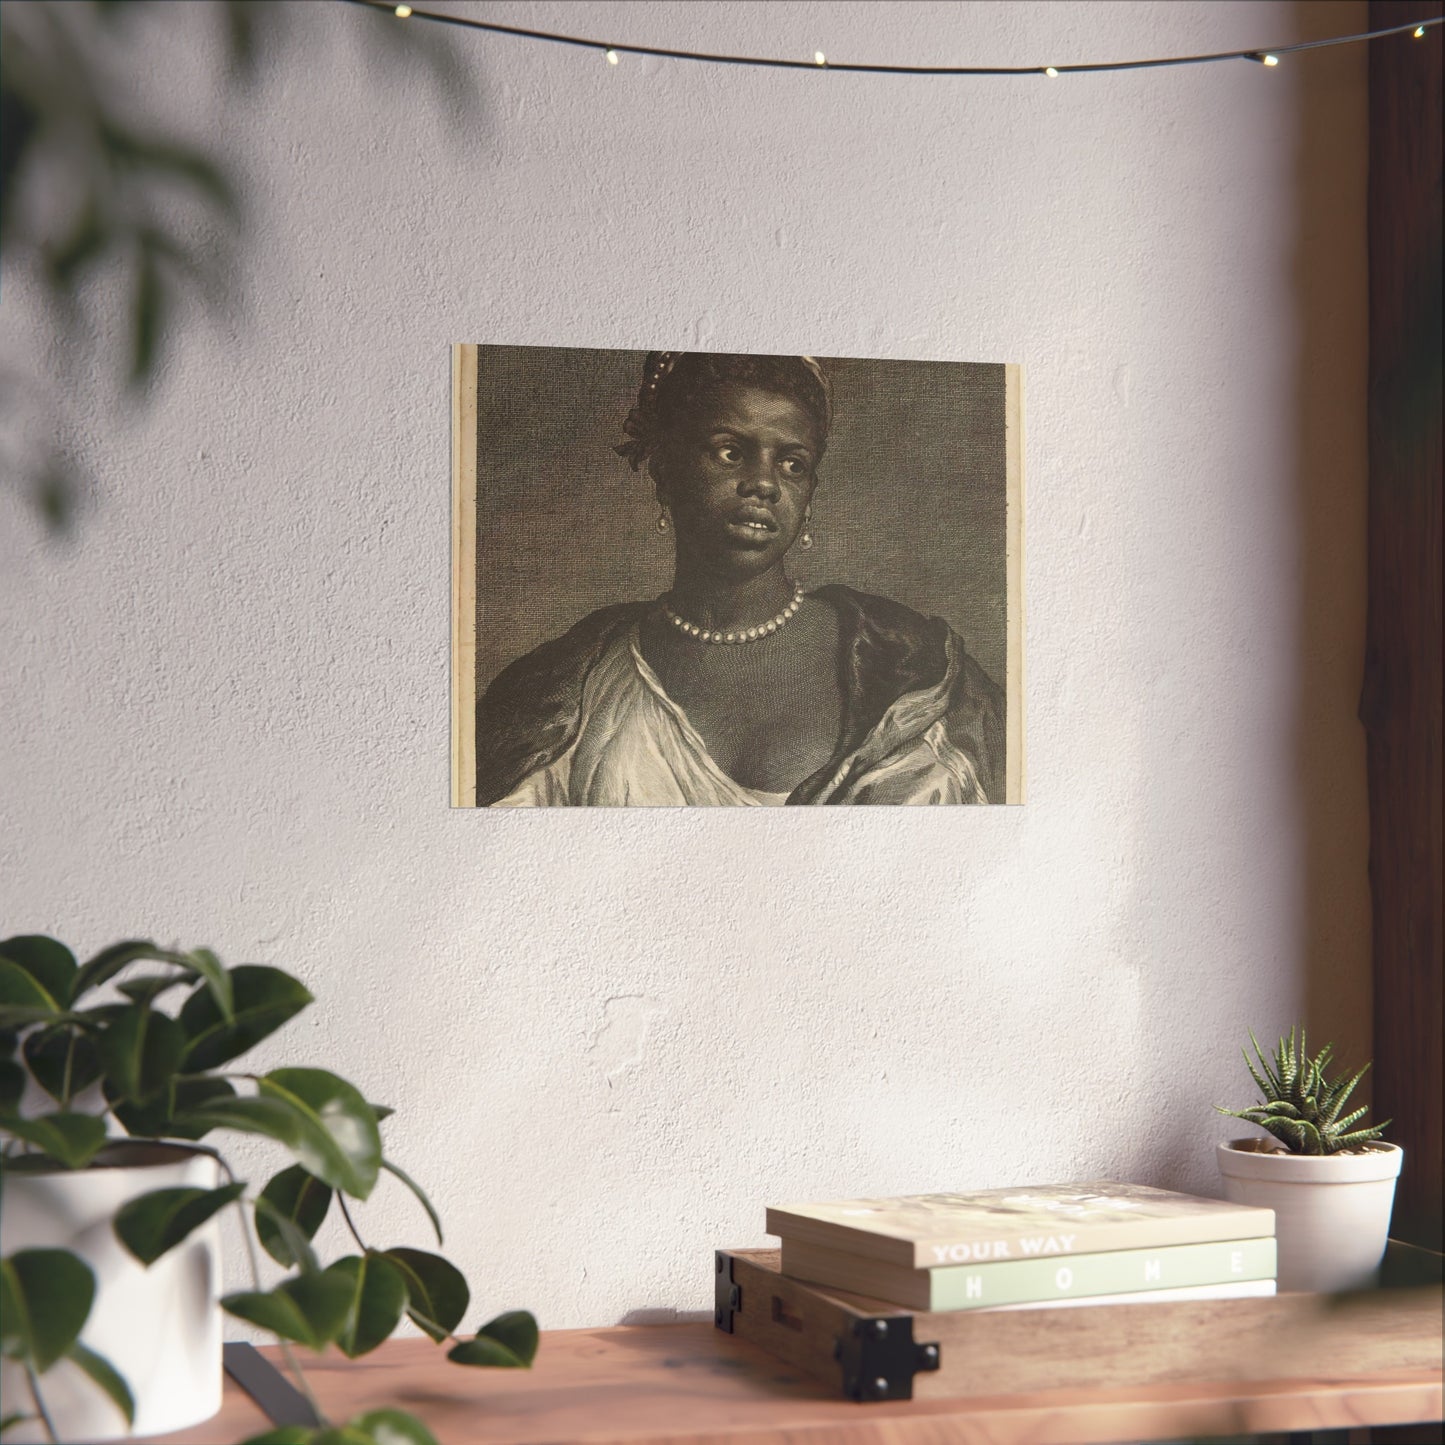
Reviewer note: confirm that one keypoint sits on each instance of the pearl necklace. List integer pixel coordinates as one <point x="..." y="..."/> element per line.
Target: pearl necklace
<point x="743" y="634"/>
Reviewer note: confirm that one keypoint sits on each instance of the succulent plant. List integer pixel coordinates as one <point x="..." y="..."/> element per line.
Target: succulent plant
<point x="1301" y="1108"/>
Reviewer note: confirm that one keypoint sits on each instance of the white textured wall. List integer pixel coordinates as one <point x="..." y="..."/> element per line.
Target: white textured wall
<point x="612" y="1038"/>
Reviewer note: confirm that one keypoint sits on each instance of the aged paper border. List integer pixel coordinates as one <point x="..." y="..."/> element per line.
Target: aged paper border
<point x="1014" y="788"/>
<point x="464" y="576"/>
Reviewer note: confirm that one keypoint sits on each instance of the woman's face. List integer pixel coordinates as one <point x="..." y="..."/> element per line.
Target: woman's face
<point x="739" y="478"/>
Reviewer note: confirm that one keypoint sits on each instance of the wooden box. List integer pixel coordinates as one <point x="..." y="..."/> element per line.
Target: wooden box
<point x="870" y="1350"/>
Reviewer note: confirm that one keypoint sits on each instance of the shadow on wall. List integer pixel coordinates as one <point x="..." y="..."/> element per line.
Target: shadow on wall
<point x="1331" y="305"/>
<point x="1323" y="974"/>
<point x="90" y="188"/>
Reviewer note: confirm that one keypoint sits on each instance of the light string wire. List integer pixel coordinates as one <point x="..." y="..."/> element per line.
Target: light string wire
<point x="1261" y="55"/>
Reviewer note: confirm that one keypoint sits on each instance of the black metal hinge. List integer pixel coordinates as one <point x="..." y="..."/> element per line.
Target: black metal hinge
<point x="727" y="1296"/>
<point x="880" y="1358"/>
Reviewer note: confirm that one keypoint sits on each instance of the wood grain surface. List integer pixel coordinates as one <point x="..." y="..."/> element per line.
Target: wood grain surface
<point x="695" y="1385"/>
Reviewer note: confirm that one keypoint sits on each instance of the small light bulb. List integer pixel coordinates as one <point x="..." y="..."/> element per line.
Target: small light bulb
<point x="1051" y="72"/>
<point x="819" y="58"/>
<point x="612" y="57"/>
<point x="402" y="11"/>
<point x="1271" y="60"/>
<point x="1419" y="32"/>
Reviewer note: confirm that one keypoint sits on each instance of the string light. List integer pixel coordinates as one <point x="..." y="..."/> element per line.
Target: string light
<point x="1269" y="57"/>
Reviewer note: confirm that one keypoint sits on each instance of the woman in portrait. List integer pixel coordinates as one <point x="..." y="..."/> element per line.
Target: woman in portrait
<point x="736" y="686"/>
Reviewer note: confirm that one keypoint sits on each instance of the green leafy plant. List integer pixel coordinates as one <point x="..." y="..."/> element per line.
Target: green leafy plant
<point x="1302" y="1108"/>
<point x="171" y="1075"/>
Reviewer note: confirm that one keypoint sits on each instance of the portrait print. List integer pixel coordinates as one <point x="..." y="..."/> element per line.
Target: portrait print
<point x="687" y="578"/>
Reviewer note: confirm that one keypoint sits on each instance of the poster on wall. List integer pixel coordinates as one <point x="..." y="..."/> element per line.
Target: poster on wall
<point x="693" y="578"/>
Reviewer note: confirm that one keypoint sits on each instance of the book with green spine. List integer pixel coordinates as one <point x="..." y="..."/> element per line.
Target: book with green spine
<point x="924" y="1231"/>
<point x="1034" y="1281"/>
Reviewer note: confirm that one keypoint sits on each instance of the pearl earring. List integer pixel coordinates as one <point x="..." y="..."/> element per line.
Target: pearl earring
<point x="662" y="523"/>
<point x="806" y="540"/>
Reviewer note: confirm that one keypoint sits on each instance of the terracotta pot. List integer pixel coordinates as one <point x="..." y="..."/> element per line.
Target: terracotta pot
<point x="160" y="1327"/>
<point x="1331" y="1211"/>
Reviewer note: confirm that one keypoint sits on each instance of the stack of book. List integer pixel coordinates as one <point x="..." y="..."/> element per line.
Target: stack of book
<point x="1031" y="1247"/>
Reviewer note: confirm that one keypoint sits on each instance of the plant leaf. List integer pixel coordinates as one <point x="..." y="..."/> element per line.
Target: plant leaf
<point x="151" y="1224"/>
<point x="50" y="964"/>
<point x="517" y="1330"/>
<point x="273" y="1311"/>
<point x="148" y="989"/>
<point x="109" y="962"/>
<point x="1361" y="1136"/>
<point x="180" y="161"/>
<point x="46" y="1297"/>
<point x="392" y="1427"/>
<point x="46" y="1052"/>
<point x="378" y="1296"/>
<point x="280" y="1116"/>
<point x="437" y="1293"/>
<point x="1337" y="1100"/>
<point x="23" y="999"/>
<point x="264" y="998"/>
<point x="1282" y="1107"/>
<point x="187" y="1094"/>
<point x="97" y="1018"/>
<point x="210" y="968"/>
<point x="141" y="1051"/>
<point x="507" y="1342"/>
<point x="1289" y="1132"/>
<point x="484" y="1352"/>
<point x="12" y="1086"/>
<point x="148" y="310"/>
<point x="340" y="1137"/>
<point x="73" y="1139"/>
<point x="104" y="1374"/>
<point x="298" y="1197"/>
<point x="14" y="1322"/>
<point x="1338" y="1126"/>
<point x="141" y="1121"/>
<point x="269" y="1117"/>
<point x="416" y="1189"/>
<point x="310" y="1310"/>
<point x="87" y="238"/>
<point x="299" y="1247"/>
<point x="11" y="1421"/>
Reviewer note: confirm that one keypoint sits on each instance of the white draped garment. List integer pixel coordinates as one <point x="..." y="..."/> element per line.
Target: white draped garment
<point x="636" y="747"/>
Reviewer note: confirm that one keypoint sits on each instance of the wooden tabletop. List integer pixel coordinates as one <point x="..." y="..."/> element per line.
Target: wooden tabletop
<point x="694" y="1385"/>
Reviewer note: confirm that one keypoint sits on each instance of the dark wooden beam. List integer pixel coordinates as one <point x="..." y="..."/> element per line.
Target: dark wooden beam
<point x="1401" y="701"/>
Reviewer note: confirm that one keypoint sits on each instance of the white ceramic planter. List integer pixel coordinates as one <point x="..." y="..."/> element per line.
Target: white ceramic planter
<point x="160" y="1327"/>
<point x="1331" y="1212"/>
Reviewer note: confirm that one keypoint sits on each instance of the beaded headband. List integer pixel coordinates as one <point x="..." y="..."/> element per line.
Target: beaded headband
<point x="659" y="365"/>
